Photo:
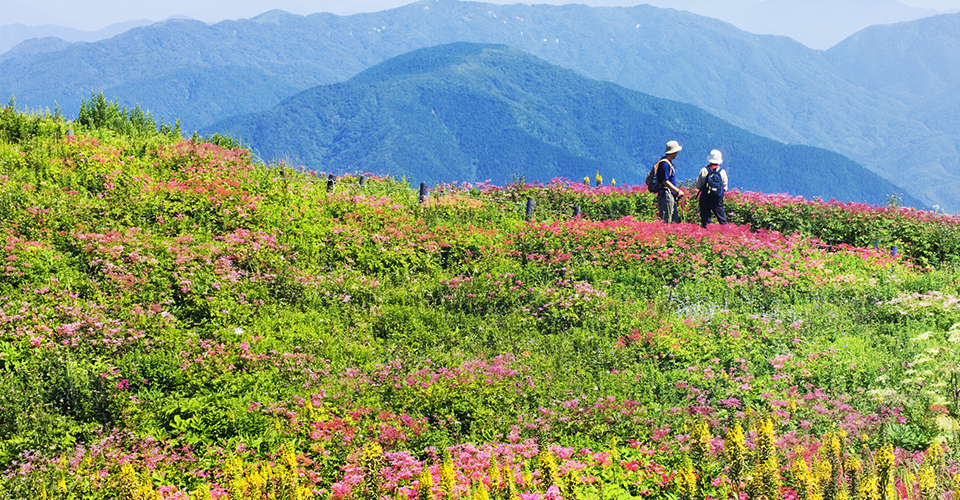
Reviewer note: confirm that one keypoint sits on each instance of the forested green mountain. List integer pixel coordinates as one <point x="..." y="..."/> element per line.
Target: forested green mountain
<point x="769" y="85"/>
<point x="475" y="112"/>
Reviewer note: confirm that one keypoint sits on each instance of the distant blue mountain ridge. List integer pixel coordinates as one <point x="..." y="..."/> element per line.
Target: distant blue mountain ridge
<point x="769" y="85"/>
<point x="12" y="35"/>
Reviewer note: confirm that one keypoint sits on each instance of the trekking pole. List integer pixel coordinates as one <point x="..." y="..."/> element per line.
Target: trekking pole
<point x="680" y="207"/>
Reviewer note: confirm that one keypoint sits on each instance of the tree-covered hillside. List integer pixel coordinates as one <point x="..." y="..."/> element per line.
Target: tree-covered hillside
<point x="768" y="85"/>
<point x="473" y="112"/>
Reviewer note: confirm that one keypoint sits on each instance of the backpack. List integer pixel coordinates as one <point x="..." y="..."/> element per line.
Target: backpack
<point x="652" y="185"/>
<point x="714" y="184"/>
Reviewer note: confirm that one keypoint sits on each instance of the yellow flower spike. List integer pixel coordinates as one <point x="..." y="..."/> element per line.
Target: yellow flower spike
<point x="599" y="179"/>
<point x="767" y="469"/>
<point x="129" y="486"/>
<point x="510" y="481"/>
<point x="289" y="457"/>
<point x="885" y="461"/>
<point x="832" y="446"/>
<point x="801" y="475"/>
<point x="586" y="180"/>
<point x="613" y="182"/>
<point x="370" y="463"/>
<point x="202" y="493"/>
<point x="734" y="451"/>
<point x="755" y="482"/>
<point x="482" y="492"/>
<point x="494" y="473"/>
<point x="770" y="477"/>
<point x="448" y="475"/>
<point x="934" y="454"/>
<point x="425" y="484"/>
<point x="549" y="472"/>
<point x="868" y="489"/>
<point x="700" y="440"/>
<point x="928" y="482"/>
<point x="527" y="477"/>
<point x="822" y="470"/>
<point x="686" y="481"/>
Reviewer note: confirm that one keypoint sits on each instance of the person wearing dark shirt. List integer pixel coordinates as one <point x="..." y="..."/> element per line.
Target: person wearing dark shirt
<point x="668" y="193"/>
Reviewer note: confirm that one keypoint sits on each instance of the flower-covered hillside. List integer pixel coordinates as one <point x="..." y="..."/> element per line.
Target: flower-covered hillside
<point x="178" y="320"/>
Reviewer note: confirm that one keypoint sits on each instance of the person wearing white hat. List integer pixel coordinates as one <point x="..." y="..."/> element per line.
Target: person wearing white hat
<point x="712" y="183"/>
<point x="667" y="191"/>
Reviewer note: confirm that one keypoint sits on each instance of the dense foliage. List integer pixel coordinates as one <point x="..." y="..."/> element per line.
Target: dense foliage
<point x="178" y="321"/>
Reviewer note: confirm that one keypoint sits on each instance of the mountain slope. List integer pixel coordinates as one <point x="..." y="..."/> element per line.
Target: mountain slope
<point x="905" y="61"/>
<point x="475" y="112"/>
<point x="772" y="86"/>
<point x="912" y="62"/>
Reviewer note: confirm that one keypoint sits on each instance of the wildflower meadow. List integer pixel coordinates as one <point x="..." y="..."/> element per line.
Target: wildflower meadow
<point x="179" y="320"/>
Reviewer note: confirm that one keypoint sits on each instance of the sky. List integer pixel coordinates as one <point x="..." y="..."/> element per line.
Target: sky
<point x="93" y="15"/>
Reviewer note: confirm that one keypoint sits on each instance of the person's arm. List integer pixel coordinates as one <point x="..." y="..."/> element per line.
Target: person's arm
<point x="701" y="179"/>
<point x="723" y="175"/>
<point x="662" y="171"/>
<point x="673" y="188"/>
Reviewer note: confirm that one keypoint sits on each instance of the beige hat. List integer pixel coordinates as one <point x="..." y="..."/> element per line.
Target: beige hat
<point x="715" y="158"/>
<point x="673" y="147"/>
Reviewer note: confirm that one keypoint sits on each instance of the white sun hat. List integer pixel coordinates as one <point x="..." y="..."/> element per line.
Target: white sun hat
<point x="715" y="158"/>
<point x="673" y="147"/>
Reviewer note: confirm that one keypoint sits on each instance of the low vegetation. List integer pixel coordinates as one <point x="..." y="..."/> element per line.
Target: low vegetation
<point x="178" y="321"/>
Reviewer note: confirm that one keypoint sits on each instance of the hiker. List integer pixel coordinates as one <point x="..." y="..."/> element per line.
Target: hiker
<point x="668" y="194"/>
<point x="712" y="183"/>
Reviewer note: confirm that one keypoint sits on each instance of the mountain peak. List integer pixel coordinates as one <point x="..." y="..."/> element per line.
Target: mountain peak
<point x="275" y="16"/>
<point x="473" y="112"/>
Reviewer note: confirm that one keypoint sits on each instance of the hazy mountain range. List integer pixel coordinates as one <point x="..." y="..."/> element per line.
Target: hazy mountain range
<point x="869" y="98"/>
<point x="13" y="34"/>
<point x="818" y="24"/>
<point x="475" y="112"/>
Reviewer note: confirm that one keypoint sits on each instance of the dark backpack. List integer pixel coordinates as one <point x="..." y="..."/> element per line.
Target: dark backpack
<point x="652" y="185"/>
<point x="714" y="184"/>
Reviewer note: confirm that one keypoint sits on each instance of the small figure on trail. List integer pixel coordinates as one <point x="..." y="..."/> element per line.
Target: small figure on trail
<point x="662" y="181"/>
<point x="712" y="183"/>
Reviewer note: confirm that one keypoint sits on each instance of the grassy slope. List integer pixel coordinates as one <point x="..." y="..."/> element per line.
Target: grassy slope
<point x="175" y="306"/>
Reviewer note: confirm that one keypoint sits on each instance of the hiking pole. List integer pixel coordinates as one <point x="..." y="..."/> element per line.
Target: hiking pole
<point x="680" y="207"/>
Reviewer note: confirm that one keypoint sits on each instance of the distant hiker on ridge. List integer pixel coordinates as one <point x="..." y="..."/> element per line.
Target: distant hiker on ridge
<point x="668" y="194"/>
<point x="712" y="183"/>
